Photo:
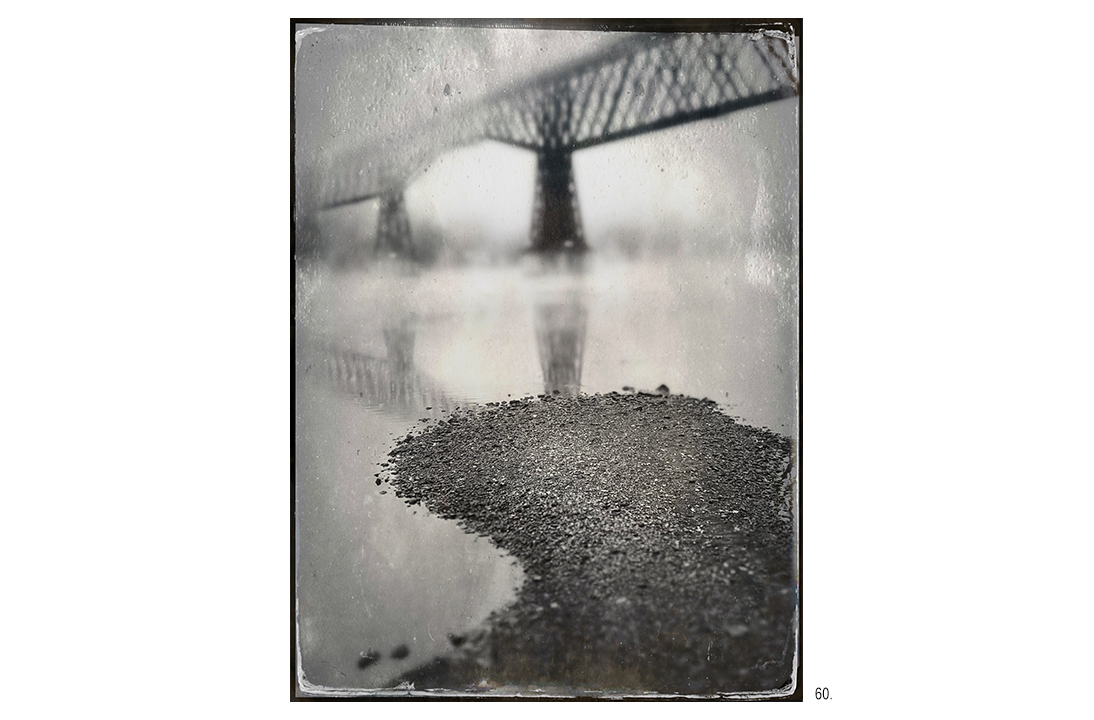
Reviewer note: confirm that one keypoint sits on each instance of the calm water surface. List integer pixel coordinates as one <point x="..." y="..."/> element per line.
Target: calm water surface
<point x="380" y="349"/>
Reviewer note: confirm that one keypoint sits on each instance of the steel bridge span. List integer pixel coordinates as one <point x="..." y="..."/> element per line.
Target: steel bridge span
<point x="641" y="84"/>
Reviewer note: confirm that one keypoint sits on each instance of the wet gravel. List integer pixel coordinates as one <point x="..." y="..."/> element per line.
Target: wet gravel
<point x="654" y="531"/>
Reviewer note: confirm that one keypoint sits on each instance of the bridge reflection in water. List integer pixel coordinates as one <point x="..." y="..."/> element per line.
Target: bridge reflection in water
<point x="393" y="383"/>
<point x="560" y="338"/>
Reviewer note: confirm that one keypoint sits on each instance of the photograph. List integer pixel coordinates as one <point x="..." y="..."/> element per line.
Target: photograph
<point x="489" y="361"/>
<point x="546" y="359"/>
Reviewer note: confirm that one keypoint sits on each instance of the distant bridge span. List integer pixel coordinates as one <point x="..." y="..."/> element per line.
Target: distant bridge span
<point x="638" y="85"/>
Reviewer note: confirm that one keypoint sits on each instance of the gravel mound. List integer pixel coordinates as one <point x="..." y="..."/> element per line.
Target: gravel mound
<point x="654" y="531"/>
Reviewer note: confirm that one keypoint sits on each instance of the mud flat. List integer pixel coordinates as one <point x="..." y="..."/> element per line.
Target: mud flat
<point x="655" y="533"/>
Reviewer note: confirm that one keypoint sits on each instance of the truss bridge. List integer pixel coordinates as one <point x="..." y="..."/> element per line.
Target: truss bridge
<point x="639" y="85"/>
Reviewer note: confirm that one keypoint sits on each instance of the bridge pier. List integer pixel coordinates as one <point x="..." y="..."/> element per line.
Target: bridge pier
<point x="556" y="220"/>
<point x="393" y="226"/>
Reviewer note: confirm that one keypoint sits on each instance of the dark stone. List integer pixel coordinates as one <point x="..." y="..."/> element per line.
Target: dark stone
<point x="367" y="658"/>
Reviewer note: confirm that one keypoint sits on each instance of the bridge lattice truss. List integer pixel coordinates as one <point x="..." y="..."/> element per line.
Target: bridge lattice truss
<point x="639" y="85"/>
